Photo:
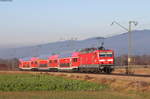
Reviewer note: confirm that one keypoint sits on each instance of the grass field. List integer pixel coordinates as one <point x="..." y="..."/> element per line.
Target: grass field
<point x="36" y="82"/>
<point x="41" y="86"/>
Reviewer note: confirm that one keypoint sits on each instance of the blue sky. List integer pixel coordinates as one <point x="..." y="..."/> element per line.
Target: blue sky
<point x="27" y="22"/>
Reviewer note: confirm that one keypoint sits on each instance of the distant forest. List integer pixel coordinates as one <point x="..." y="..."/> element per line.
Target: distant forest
<point x="12" y="64"/>
<point x="9" y="64"/>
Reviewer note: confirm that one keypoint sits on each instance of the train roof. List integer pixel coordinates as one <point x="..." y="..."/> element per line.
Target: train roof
<point x="54" y="57"/>
<point x="34" y="58"/>
<point x="75" y="54"/>
<point x="44" y="56"/>
<point x="70" y="54"/>
<point x="87" y="49"/>
<point x="26" y="59"/>
<point x="65" y="55"/>
<point x="108" y="50"/>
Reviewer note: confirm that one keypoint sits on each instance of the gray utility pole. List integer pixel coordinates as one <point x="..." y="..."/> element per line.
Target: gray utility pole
<point x="128" y="69"/>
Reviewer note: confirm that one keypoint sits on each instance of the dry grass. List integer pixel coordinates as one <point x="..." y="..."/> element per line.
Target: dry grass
<point x="70" y="95"/>
<point x="142" y="71"/>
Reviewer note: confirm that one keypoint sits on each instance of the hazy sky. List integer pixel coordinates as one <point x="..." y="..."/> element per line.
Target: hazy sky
<point x="24" y="22"/>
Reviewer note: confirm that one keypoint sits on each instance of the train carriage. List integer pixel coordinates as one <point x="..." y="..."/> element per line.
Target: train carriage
<point x="34" y="63"/>
<point x="25" y="64"/>
<point x="69" y="61"/>
<point x="43" y="63"/>
<point x="65" y="61"/>
<point x="53" y="62"/>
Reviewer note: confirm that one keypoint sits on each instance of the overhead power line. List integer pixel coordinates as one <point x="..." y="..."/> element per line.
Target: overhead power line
<point x="129" y="30"/>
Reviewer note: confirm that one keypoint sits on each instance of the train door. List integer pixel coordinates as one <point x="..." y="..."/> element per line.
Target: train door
<point x="75" y="62"/>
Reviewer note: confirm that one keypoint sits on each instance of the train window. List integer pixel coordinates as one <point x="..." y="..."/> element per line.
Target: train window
<point x="35" y="62"/>
<point x="43" y="65"/>
<point x="50" y="61"/>
<point x="32" y="63"/>
<point x="55" y="61"/>
<point x="74" y="59"/>
<point x="26" y="65"/>
<point x="105" y="54"/>
<point x="64" y="64"/>
<point x="102" y="55"/>
<point x="109" y="55"/>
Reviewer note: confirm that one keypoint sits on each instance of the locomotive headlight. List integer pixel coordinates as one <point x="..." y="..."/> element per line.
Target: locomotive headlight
<point x="110" y="60"/>
<point x="102" y="60"/>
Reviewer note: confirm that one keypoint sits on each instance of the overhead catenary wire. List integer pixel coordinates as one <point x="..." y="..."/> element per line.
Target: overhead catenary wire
<point x="129" y="30"/>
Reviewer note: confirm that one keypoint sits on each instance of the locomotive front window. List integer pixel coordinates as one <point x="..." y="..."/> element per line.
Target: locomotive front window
<point x="102" y="55"/>
<point x="105" y="54"/>
<point x="109" y="55"/>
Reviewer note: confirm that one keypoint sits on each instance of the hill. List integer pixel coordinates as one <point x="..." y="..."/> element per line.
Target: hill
<point x="119" y="43"/>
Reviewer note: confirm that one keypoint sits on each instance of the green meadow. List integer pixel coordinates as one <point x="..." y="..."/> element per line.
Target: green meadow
<point x="36" y="86"/>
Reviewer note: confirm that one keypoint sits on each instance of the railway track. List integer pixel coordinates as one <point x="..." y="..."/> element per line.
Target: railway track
<point x="85" y="73"/>
<point x="132" y="75"/>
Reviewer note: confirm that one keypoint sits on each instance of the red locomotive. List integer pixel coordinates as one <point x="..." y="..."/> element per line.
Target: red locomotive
<point x="87" y="60"/>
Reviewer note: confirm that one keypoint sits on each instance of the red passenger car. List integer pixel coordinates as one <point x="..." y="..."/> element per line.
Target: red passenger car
<point x="53" y="62"/>
<point x="65" y="61"/>
<point x="34" y="63"/>
<point x="69" y="61"/>
<point x="43" y="63"/>
<point x="25" y="64"/>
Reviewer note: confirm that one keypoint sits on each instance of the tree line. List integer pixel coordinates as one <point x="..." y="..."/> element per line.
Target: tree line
<point x="135" y="60"/>
<point x="9" y="64"/>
